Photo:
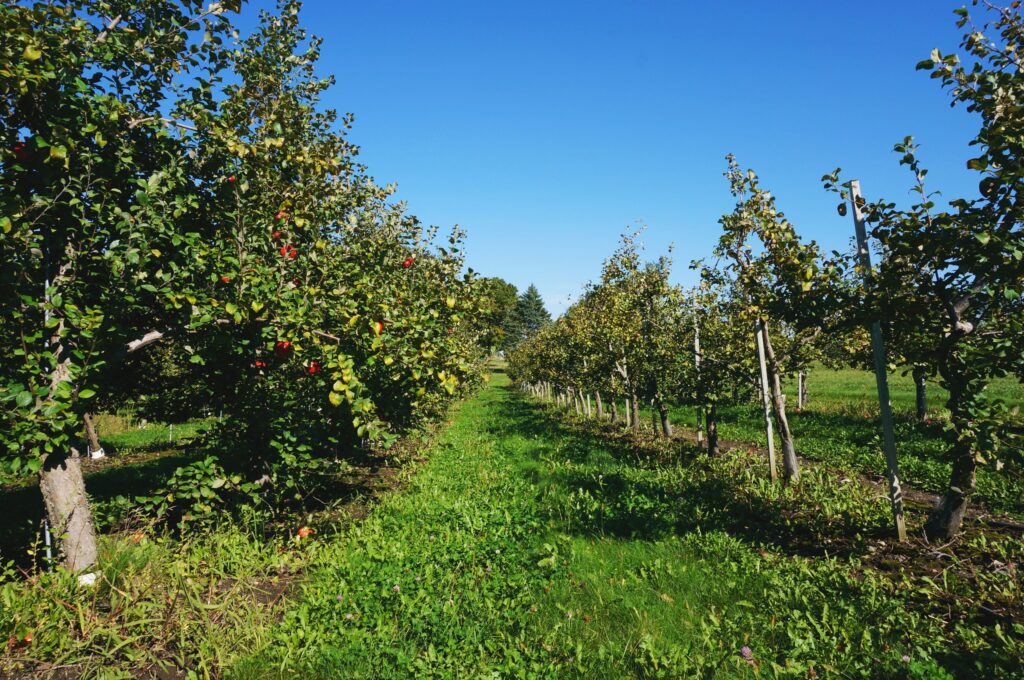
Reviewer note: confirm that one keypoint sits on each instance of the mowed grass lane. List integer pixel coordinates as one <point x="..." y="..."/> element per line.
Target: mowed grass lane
<point x="526" y="548"/>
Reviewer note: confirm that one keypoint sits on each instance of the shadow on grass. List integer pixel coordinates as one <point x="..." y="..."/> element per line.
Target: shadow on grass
<point x="625" y="488"/>
<point x="134" y="475"/>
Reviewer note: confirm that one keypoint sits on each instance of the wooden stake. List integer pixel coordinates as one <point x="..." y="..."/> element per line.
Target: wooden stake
<point x="765" y="399"/>
<point x="881" y="377"/>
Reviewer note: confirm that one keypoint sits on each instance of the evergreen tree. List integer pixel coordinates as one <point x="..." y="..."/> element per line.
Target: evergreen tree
<point x="530" y="315"/>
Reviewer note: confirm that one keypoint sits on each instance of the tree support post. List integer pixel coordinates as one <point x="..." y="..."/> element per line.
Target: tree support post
<point x="766" y="400"/>
<point x="881" y="377"/>
<point x="700" y="392"/>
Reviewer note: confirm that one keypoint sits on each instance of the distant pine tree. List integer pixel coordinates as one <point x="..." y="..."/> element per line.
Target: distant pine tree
<point x="530" y="315"/>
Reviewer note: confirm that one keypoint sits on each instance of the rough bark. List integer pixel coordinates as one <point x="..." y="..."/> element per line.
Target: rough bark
<point x="90" y="434"/>
<point x="67" y="507"/>
<point x="948" y="516"/>
<point x="666" y="424"/>
<point x="712" y="428"/>
<point x="790" y="466"/>
<point x="63" y="488"/>
<point x="600" y="406"/>
<point x="921" y="388"/>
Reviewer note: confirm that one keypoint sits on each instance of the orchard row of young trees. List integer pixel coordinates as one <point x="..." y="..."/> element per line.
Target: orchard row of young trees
<point x="947" y="293"/>
<point x="175" y="193"/>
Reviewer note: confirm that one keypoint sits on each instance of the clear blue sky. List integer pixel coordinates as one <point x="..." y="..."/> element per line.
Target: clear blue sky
<point x="547" y="128"/>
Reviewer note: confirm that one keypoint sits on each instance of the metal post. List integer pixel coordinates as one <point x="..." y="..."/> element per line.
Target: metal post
<point x="765" y="399"/>
<point x="49" y="544"/>
<point x="881" y="377"/>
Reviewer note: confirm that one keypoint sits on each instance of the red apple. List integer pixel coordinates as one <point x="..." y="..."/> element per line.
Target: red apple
<point x="379" y="326"/>
<point x="276" y="235"/>
<point x="225" y="279"/>
<point x="281" y="215"/>
<point x="232" y="179"/>
<point x="21" y="152"/>
<point x="408" y="262"/>
<point x="260" y="363"/>
<point x="314" y="367"/>
<point x="292" y="252"/>
<point x="283" y="349"/>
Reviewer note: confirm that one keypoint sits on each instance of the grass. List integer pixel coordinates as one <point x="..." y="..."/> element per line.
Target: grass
<point x="529" y="547"/>
<point x="531" y="543"/>
<point x="839" y="426"/>
<point x="139" y="460"/>
<point x="119" y="435"/>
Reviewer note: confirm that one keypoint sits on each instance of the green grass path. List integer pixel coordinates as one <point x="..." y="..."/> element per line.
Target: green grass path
<point x="525" y="548"/>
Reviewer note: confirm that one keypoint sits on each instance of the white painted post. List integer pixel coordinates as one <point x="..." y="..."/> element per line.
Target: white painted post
<point x="700" y="391"/>
<point x="881" y="378"/>
<point x="765" y="400"/>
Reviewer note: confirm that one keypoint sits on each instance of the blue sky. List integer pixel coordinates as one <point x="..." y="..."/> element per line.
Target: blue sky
<point x="547" y="128"/>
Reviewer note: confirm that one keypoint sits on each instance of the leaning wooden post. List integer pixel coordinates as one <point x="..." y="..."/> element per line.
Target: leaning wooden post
<point x="765" y="400"/>
<point x="881" y="377"/>
<point x="700" y="391"/>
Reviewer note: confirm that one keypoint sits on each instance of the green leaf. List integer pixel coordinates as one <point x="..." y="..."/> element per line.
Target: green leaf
<point x="86" y="393"/>
<point x="31" y="53"/>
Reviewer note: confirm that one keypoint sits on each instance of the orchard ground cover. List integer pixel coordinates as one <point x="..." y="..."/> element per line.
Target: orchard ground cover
<point x="839" y="426"/>
<point x="537" y="544"/>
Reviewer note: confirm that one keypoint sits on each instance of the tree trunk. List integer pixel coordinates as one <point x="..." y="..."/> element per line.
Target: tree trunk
<point x="600" y="406"/>
<point x="67" y="507"/>
<point x="790" y="466"/>
<point x="91" y="436"/>
<point x="712" y="427"/>
<point x="615" y="410"/>
<point x="63" y="490"/>
<point x="654" y="419"/>
<point x="948" y="516"/>
<point x="921" y="387"/>
<point x="666" y="424"/>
